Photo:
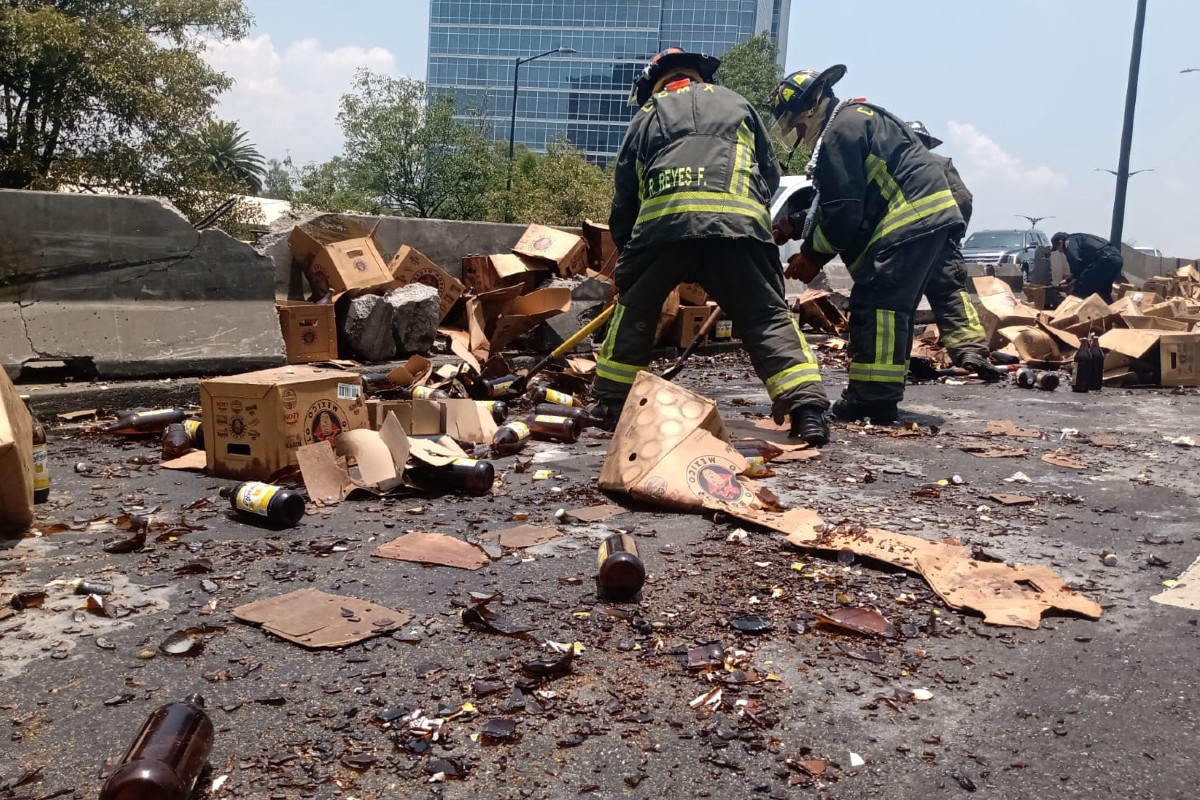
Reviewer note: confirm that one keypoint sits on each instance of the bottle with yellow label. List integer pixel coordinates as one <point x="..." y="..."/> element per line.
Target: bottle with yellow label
<point x="195" y="432"/>
<point x="498" y="387"/>
<point x="466" y="475"/>
<point x="580" y="415"/>
<point x="427" y="393"/>
<point x="510" y="438"/>
<point x="497" y="408"/>
<point x="41" y="457"/>
<point x="554" y="428"/>
<point x="544" y="394"/>
<point x="281" y="507"/>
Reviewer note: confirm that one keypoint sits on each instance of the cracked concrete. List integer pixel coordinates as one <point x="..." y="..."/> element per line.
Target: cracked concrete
<point x="128" y="283"/>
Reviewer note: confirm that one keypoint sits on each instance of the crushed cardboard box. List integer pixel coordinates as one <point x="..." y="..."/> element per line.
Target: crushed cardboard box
<point x="16" y="460"/>
<point x="502" y="270"/>
<point x="602" y="253"/>
<point x="409" y="266"/>
<point x="565" y="252"/>
<point x="255" y="422"/>
<point x="817" y="309"/>
<point x="346" y="260"/>
<point x="999" y="308"/>
<point x="527" y="312"/>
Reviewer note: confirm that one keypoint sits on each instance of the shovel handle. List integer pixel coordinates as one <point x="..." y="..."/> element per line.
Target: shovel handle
<point x="713" y="316"/>
<point x="522" y="382"/>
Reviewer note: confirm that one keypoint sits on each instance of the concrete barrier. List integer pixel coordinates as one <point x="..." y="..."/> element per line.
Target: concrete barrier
<point x="126" y="288"/>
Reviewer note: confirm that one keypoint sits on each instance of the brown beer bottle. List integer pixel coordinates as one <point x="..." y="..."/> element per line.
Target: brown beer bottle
<point x="195" y="432"/>
<point x="621" y="572"/>
<point x="1096" y="375"/>
<point x="153" y="421"/>
<point x="497" y="408"/>
<point x="580" y="415"/>
<point x="510" y="438"/>
<point x="281" y="507"/>
<point x="544" y="394"/>
<point x="1081" y="369"/>
<point x="497" y="387"/>
<point x="175" y="441"/>
<point x="1026" y="378"/>
<point x="554" y="428"/>
<point x="1046" y="381"/>
<point x="757" y="453"/>
<point x="167" y="756"/>
<point x="427" y="393"/>
<point x="466" y="475"/>
<point x="41" y="457"/>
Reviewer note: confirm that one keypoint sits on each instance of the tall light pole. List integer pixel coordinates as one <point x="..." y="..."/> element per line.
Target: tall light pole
<point x="1130" y="174"/>
<point x="1135" y="63"/>
<point x="1033" y="221"/>
<point x="512" y="128"/>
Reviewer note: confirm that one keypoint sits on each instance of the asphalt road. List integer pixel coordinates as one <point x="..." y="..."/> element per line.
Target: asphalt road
<point x="1078" y="708"/>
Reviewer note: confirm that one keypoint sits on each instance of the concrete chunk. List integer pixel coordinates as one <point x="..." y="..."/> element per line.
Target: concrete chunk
<point x="368" y="328"/>
<point x="415" y="311"/>
<point x="561" y="327"/>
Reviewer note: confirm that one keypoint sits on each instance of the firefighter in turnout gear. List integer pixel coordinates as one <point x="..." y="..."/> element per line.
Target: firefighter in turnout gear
<point x="694" y="178"/>
<point x="958" y="322"/>
<point x="883" y="204"/>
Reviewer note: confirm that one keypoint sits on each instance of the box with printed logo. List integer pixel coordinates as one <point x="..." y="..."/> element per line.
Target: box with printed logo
<point x="255" y="422"/>
<point x="339" y="261"/>
<point x="308" y="331"/>
<point x="410" y="266"/>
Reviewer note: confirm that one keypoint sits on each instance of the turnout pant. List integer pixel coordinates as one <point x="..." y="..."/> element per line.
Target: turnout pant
<point x="887" y="287"/>
<point x="746" y="280"/>
<point x="957" y="320"/>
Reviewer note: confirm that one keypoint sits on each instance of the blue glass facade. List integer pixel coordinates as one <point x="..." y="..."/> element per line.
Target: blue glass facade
<point x="474" y="44"/>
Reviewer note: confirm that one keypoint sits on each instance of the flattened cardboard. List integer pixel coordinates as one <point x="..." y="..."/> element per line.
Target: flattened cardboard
<point x="409" y="266"/>
<point x="16" y="459"/>
<point x="341" y="265"/>
<point x="309" y="332"/>
<point x="999" y="308"/>
<point x="1186" y="592"/>
<point x="195" y="461"/>
<point x="596" y="513"/>
<point x="326" y="479"/>
<point x="527" y="312"/>
<point x="434" y="549"/>
<point x="1006" y="427"/>
<point x="1063" y="460"/>
<point x="501" y="270"/>
<point x="524" y="536"/>
<point x="670" y="447"/>
<point x="565" y="252"/>
<point x="1012" y="499"/>
<point x="255" y="422"/>
<point x="315" y="619"/>
<point x="996" y="452"/>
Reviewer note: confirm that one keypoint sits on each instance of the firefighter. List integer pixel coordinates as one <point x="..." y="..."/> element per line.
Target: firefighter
<point x="1095" y="264"/>
<point x="693" y="179"/>
<point x="957" y="320"/>
<point x="883" y="204"/>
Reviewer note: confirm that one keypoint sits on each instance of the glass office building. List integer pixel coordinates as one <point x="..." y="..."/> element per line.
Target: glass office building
<point x="474" y="44"/>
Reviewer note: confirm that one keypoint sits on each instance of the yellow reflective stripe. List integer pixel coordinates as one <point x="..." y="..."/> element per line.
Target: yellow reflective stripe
<point x="877" y="172"/>
<point x="610" y="340"/>
<point x="820" y="243"/>
<point x="617" y="372"/>
<point x="741" y="166"/>
<point x="637" y="166"/>
<point x="739" y="154"/>
<point x="878" y="373"/>
<point x="885" y="335"/>
<point x="961" y="335"/>
<point x="729" y="206"/>
<point x="911" y="212"/>
<point x="700" y="196"/>
<point x="972" y="314"/>
<point x="804" y="348"/>
<point x="793" y="375"/>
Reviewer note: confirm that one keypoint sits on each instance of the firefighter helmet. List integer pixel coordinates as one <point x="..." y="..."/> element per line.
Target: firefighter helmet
<point x="661" y="66"/>
<point x="928" y="139"/>
<point x="801" y="102"/>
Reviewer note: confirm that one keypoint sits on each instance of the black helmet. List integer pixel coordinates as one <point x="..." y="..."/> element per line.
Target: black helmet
<point x="797" y="98"/>
<point x="660" y="66"/>
<point x="930" y="141"/>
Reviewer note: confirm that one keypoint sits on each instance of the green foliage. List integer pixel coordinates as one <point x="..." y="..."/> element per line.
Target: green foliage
<point x="98" y="92"/>
<point x="558" y="188"/>
<point x="277" y="181"/>
<point x="332" y="186"/>
<point x="411" y="154"/>
<point x="225" y="151"/>
<point x="751" y="68"/>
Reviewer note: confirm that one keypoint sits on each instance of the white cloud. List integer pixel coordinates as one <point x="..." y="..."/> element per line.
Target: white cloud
<point x="988" y="161"/>
<point x="288" y="100"/>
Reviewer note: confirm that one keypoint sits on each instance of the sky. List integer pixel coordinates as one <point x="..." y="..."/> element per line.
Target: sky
<point x="1028" y="94"/>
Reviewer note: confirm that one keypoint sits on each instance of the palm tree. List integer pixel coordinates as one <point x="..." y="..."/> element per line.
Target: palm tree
<point x="225" y="151"/>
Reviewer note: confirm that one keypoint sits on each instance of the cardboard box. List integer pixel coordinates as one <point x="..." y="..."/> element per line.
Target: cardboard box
<point x="16" y="460"/>
<point x="255" y="422"/>
<point x="565" y="252"/>
<point x="501" y="270"/>
<point x="309" y="331"/>
<point x="600" y="248"/>
<point x="409" y="266"/>
<point x="1179" y="359"/>
<point x="462" y="420"/>
<point x="666" y="317"/>
<point x="688" y="322"/>
<point x="527" y="312"/>
<point x="999" y="308"/>
<point x="692" y="294"/>
<point x="343" y="265"/>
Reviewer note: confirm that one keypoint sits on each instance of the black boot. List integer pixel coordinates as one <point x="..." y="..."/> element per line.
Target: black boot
<point x="981" y="367"/>
<point x="607" y="415"/>
<point x="809" y="424"/>
<point x="849" y="411"/>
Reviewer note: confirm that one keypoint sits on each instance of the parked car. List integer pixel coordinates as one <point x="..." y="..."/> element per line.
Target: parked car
<point x="1004" y="253"/>
<point x="1150" y="251"/>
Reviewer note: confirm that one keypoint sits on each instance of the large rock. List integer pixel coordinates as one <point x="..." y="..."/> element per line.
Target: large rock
<point x="561" y="327"/>
<point x="367" y="330"/>
<point x="415" y="312"/>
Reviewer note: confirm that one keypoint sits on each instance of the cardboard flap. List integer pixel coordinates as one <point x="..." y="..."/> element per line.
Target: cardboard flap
<point x="465" y="421"/>
<point x="317" y="619"/>
<point x="372" y="456"/>
<point x="326" y="478"/>
<point x="434" y="548"/>
<point x="1135" y="344"/>
<point x="413" y="372"/>
<point x="460" y="345"/>
<point x="435" y="454"/>
<point x="476" y="328"/>
<point x="1031" y="342"/>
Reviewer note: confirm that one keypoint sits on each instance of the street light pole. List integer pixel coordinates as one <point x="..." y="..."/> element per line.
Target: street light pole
<point x="1135" y="63"/>
<point x="512" y="127"/>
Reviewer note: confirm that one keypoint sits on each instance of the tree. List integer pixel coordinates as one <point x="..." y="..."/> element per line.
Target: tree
<point x="331" y="186"/>
<point x="277" y="182"/>
<point x="558" y="188"/>
<point x="751" y="68"/>
<point x="408" y="151"/>
<point x="225" y="151"/>
<point x="96" y="92"/>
